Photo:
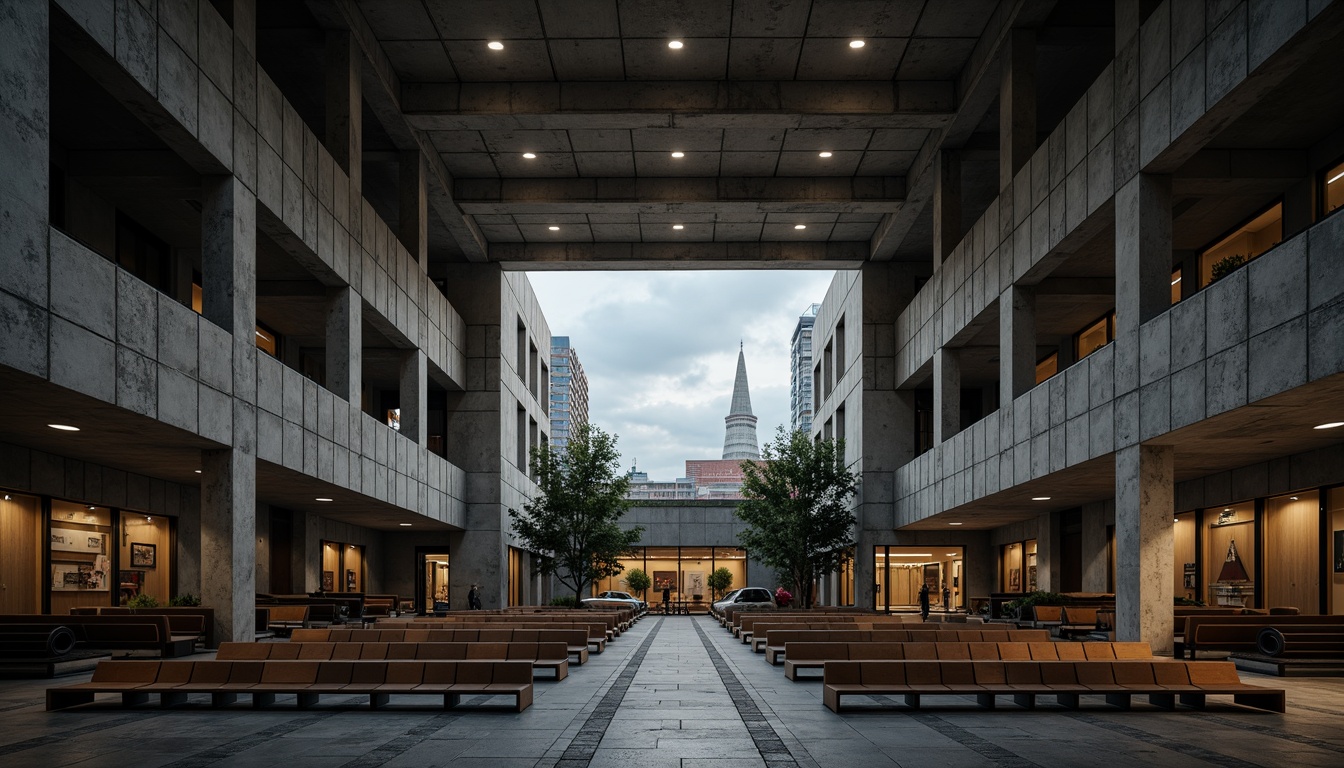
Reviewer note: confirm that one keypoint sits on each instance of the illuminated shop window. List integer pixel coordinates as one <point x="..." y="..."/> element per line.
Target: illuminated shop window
<point x="1334" y="188"/>
<point x="1095" y="336"/>
<point x="1047" y="366"/>
<point x="266" y="340"/>
<point x="1176" y="287"/>
<point x="1242" y="244"/>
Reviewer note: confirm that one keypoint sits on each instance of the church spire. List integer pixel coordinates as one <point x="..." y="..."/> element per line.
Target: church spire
<point x="739" y="442"/>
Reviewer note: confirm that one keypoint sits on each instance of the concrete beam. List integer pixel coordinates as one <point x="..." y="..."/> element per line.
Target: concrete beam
<point x="770" y="105"/>
<point x="412" y="226"/>
<point x="344" y="105"/>
<point x="573" y="256"/>
<point x="1017" y="104"/>
<point x="946" y="204"/>
<point x="684" y="195"/>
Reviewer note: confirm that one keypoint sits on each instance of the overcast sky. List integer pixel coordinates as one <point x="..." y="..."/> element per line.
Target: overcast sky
<point x="660" y="351"/>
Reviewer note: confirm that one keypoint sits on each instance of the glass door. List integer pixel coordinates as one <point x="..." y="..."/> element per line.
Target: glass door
<point x="432" y="576"/>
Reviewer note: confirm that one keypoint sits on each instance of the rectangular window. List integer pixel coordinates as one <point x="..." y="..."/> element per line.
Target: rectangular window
<point x="840" y="348"/>
<point x="1242" y="244"/>
<point x="1176" y="286"/>
<point x="1092" y="338"/>
<point x="521" y="348"/>
<point x="520" y="438"/>
<point x="1047" y="366"/>
<point x="1334" y="188"/>
<point x="828" y="370"/>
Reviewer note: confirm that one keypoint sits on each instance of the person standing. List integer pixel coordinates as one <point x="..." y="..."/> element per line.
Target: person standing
<point x="924" y="602"/>
<point x="474" y="597"/>
<point x="667" y="598"/>
<point x="947" y="597"/>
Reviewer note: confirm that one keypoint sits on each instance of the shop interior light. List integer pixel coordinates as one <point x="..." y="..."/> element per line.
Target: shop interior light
<point x="1327" y="425"/>
<point x="68" y="428"/>
<point x="321" y="498"/>
<point x="1336" y="177"/>
<point x="1292" y="498"/>
<point x="495" y="45"/>
<point x="404" y="525"/>
<point x="954" y="523"/>
<point x="1177" y="280"/>
<point x="912" y="554"/>
<point x="1040" y="498"/>
<point x="198" y="471"/>
<point x="7" y="497"/>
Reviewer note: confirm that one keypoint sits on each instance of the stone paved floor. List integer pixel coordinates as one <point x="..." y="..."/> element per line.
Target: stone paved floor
<point x="676" y="692"/>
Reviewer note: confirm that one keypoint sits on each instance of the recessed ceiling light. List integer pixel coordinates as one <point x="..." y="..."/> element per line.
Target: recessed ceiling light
<point x="800" y="226"/>
<point x="321" y="498"/>
<point x="404" y="525"/>
<point x="1335" y="178"/>
<point x="1175" y="519"/>
<point x="68" y="428"/>
<point x="678" y="154"/>
<point x="1040" y="498"/>
<point x="92" y="507"/>
<point x="1177" y="280"/>
<point x="1328" y="425"/>
<point x="678" y="226"/>
<point x="856" y="43"/>
<point x="1227" y="509"/>
<point x="954" y="523"/>
<point x="529" y="156"/>
<point x="823" y="154"/>
<point x="1292" y="498"/>
<point x="675" y="45"/>
<point x="198" y="471"/>
<point x="554" y="229"/>
<point x="495" y="45"/>
<point x="950" y="554"/>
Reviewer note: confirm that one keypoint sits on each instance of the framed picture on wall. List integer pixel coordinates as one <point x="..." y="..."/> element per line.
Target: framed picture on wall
<point x="1015" y="580"/>
<point x="328" y="581"/>
<point x="1339" y="551"/>
<point x="142" y="555"/>
<point x="664" y="580"/>
<point x="350" y="583"/>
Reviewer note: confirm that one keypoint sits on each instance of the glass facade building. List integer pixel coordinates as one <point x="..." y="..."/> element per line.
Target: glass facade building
<point x="800" y="371"/>
<point x="569" y="392"/>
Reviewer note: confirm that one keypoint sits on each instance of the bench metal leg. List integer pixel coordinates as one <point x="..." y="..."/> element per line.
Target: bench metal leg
<point x="1193" y="700"/>
<point x="451" y="700"/>
<point x="131" y="698"/>
<point x="377" y="700"/>
<point x="1163" y="700"/>
<point x="1025" y="700"/>
<point x="985" y="700"/>
<point x="1119" y="700"/>
<point x="306" y="700"/>
<point x="59" y="699"/>
<point x="260" y="700"/>
<point x="222" y="699"/>
<point x="168" y="699"/>
<point x="1069" y="700"/>
<point x="912" y="700"/>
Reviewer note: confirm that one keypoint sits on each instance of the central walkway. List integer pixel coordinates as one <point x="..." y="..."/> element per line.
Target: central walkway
<point x="674" y="692"/>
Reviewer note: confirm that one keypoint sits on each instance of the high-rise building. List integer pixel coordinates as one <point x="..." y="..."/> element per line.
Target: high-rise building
<point x="739" y="440"/>
<point x="800" y="371"/>
<point x="569" y="392"/>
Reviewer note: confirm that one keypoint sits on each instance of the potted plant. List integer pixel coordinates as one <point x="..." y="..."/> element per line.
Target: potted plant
<point x="1013" y="608"/>
<point x="719" y="581"/>
<point x="1223" y="267"/>
<point x="638" y="581"/>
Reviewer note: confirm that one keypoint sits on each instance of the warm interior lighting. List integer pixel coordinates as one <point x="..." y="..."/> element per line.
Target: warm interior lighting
<point x="404" y="525"/>
<point x="321" y="499"/>
<point x="1040" y="498"/>
<point x="1177" y="280"/>
<point x="495" y="45"/>
<point x="1328" y="425"/>
<point x="800" y="226"/>
<point x="912" y="554"/>
<point x="675" y="45"/>
<point x="950" y="554"/>
<point x="1336" y="177"/>
<point x="678" y="154"/>
<point x="954" y="523"/>
<point x="198" y="471"/>
<point x="823" y="154"/>
<point x="856" y="43"/>
<point x="68" y="428"/>
<point x="529" y="156"/>
<point x="1292" y="498"/>
<point x="554" y="229"/>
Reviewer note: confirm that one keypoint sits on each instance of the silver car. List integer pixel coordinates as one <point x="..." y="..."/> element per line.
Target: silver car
<point x="625" y="597"/>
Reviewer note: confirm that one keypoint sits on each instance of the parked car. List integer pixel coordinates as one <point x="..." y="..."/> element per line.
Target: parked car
<point x="625" y="597"/>
<point x="747" y="598"/>
<point x="717" y="606"/>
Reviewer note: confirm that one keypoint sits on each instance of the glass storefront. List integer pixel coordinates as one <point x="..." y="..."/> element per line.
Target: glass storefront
<point x="683" y="570"/>
<point x="900" y="572"/>
<point x="433" y="581"/>
<point x="342" y="567"/>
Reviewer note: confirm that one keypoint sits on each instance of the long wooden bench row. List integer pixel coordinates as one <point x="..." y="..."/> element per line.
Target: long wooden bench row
<point x="815" y="655"/>
<point x="182" y="619"/>
<point x="612" y="622"/>
<point x="552" y="656"/>
<point x="173" y="681"/>
<point x="1162" y="681"/>
<point x="117" y="633"/>
<point x="775" y="641"/>
<point x="1237" y="633"/>
<point x="597" y="637"/>
<point x="576" y="640"/>
<point x="753" y="626"/>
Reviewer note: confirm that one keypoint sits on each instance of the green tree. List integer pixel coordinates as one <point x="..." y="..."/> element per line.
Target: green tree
<point x="797" y="509"/>
<point x="720" y="580"/>
<point x="574" y="517"/>
<point x="638" y="581"/>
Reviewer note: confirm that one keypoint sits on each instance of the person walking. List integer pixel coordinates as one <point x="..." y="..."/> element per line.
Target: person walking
<point x="667" y="599"/>
<point x="924" y="602"/>
<point x="947" y="597"/>
<point x="474" y="597"/>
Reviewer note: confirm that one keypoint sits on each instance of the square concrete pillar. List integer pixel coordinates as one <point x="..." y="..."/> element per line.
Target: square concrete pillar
<point x="25" y="159"/>
<point x="412" y="223"/>
<point x="1142" y="252"/>
<point x="946" y="204"/>
<point x="1048" y="550"/>
<point x="345" y="354"/>
<point x="1017" y="103"/>
<point x="1096" y="548"/>
<point x="229" y="541"/>
<point x="229" y="256"/>
<point x="1017" y="343"/>
<point x="1144" y="555"/>
<point x="414" y="403"/>
<point x="344" y="105"/>
<point x="946" y="393"/>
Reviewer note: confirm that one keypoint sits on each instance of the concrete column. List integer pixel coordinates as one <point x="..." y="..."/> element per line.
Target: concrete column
<point x="1142" y="252"/>
<point x="414" y="403"/>
<point x="344" y="105"/>
<point x="1017" y="343"/>
<point x="1129" y="16"/>
<point x="1144" y="555"/>
<point x="228" y="540"/>
<point x="1048" y="549"/>
<point x="229" y="256"/>
<point x="1017" y="103"/>
<point x="25" y="158"/>
<point x="1096" y="548"/>
<point x="412" y="216"/>
<point x="345" y="353"/>
<point x="946" y="204"/>
<point x="946" y="393"/>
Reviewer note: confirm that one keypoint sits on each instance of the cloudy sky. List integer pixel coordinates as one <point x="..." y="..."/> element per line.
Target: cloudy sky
<point x="660" y="351"/>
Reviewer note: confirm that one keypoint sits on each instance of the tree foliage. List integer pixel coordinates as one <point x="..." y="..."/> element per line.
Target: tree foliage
<point x="638" y="581"/>
<point x="720" y="580"/>
<point x="574" y="517"/>
<point x="797" y="508"/>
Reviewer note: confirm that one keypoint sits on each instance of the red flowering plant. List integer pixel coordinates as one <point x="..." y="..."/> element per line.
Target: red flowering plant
<point x="783" y="597"/>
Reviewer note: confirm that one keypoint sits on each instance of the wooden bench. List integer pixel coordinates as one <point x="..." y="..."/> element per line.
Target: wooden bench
<point x="596" y="633"/>
<point x="552" y="656"/>
<point x="173" y="681"/>
<point x="744" y="627"/>
<point x="1042" y="617"/>
<point x="1162" y="681"/>
<point x="1238" y="633"/>
<point x="776" y="641"/>
<point x="1077" y="620"/>
<point x="287" y="618"/>
<point x="183" y="621"/>
<point x="116" y="632"/>
<point x="815" y="655"/>
<point x="575" y="640"/>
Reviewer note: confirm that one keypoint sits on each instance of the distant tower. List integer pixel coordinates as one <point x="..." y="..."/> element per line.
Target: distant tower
<point x="800" y="372"/>
<point x="740" y="440"/>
